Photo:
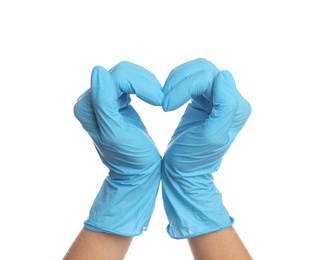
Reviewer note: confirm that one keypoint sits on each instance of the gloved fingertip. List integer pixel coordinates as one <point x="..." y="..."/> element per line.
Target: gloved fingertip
<point x="166" y="106"/>
<point x="153" y="97"/>
<point x="159" y="99"/>
<point x="155" y="102"/>
<point x="167" y="87"/>
<point x="97" y="75"/>
<point x="227" y="75"/>
<point x="98" y="69"/>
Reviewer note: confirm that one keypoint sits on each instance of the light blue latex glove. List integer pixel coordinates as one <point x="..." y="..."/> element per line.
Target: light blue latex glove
<point x="125" y="202"/>
<point x="211" y="122"/>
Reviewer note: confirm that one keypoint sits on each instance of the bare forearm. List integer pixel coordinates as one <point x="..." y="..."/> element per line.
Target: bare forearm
<point x="219" y="245"/>
<point x="91" y="245"/>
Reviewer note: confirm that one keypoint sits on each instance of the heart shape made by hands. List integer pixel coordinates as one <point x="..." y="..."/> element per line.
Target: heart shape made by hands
<point x="214" y="116"/>
<point x="210" y="123"/>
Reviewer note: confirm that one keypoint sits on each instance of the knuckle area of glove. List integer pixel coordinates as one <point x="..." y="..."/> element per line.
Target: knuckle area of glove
<point x="122" y="65"/>
<point x="80" y="111"/>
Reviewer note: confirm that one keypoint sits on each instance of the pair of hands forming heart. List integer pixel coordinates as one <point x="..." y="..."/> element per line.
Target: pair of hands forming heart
<point x="212" y="120"/>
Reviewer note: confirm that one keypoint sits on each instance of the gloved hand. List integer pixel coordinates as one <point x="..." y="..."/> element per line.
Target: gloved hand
<point x="126" y="199"/>
<point x="211" y="122"/>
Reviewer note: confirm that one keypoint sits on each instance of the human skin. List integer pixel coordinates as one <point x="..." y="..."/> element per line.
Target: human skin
<point x="90" y="245"/>
<point x="224" y="244"/>
<point x="220" y="245"/>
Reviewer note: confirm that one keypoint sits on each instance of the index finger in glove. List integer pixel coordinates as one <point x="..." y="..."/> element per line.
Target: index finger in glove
<point x="134" y="79"/>
<point x="193" y="78"/>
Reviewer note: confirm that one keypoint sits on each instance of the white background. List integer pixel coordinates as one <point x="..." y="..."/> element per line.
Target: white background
<point x="273" y="179"/>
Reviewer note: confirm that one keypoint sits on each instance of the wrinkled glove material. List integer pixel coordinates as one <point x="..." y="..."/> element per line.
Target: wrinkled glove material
<point x="125" y="202"/>
<point x="213" y="118"/>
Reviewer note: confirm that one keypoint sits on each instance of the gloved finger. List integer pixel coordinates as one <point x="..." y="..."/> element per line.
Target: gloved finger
<point x="104" y="97"/>
<point x="192" y="78"/>
<point x="134" y="79"/>
<point x="194" y="85"/>
<point x="83" y="111"/>
<point x="225" y="104"/>
<point x="186" y="70"/>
